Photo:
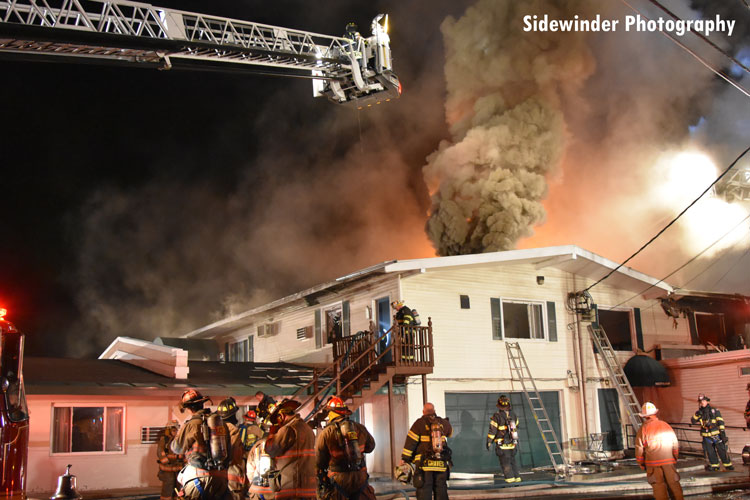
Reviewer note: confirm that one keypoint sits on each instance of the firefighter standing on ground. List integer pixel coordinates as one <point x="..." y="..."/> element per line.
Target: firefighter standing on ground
<point x="250" y="431"/>
<point x="426" y="446"/>
<point x="204" y="476"/>
<point x="714" y="437"/>
<point x="339" y="455"/>
<point x="656" y="451"/>
<point x="504" y="433"/>
<point x="227" y="410"/>
<point x="169" y="463"/>
<point x="291" y="443"/>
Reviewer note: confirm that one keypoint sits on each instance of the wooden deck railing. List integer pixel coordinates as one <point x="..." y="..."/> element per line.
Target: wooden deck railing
<point x="360" y="357"/>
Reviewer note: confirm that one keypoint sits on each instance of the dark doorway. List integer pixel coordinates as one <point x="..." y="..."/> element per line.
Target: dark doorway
<point x="609" y="418"/>
<point x="383" y="320"/>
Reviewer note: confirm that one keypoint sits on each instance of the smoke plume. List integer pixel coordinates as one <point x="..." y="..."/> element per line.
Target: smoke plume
<point x="508" y="132"/>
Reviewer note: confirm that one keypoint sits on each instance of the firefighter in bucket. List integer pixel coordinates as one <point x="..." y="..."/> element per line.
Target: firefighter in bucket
<point x="339" y="456"/>
<point x="426" y="446"/>
<point x="204" y="441"/>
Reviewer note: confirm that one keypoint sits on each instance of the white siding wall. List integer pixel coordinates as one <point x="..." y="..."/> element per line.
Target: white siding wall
<point x="285" y="347"/>
<point x="467" y="359"/>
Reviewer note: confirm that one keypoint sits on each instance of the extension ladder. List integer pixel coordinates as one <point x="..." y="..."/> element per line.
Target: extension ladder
<point x="520" y="370"/>
<point x="616" y="374"/>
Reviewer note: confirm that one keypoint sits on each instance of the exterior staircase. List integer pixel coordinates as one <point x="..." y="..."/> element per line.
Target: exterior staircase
<point x="365" y="362"/>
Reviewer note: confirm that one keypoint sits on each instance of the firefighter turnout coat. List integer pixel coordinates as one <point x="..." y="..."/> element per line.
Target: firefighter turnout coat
<point x="236" y="469"/>
<point x="500" y="430"/>
<point x="656" y="444"/>
<point x="293" y="449"/>
<point x="418" y="445"/>
<point x="331" y="457"/>
<point x="710" y="420"/>
<point x="170" y="464"/>
<point x="197" y="481"/>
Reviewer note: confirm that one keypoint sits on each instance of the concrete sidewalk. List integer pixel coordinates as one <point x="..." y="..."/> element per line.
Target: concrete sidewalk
<point x="625" y="480"/>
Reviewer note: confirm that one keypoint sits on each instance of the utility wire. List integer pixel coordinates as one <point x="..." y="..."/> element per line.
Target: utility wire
<point x="699" y="58"/>
<point x="702" y="37"/>
<point x="672" y="222"/>
<point x="712" y="264"/>
<point x="732" y="267"/>
<point x="684" y="265"/>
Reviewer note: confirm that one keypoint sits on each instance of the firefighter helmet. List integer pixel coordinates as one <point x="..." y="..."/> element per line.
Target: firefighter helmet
<point x="285" y="407"/>
<point x="404" y="473"/>
<point x="191" y="397"/>
<point x="648" y="409"/>
<point x="337" y="405"/>
<point x="397" y="304"/>
<point x="227" y="408"/>
<point x="503" y="402"/>
<point x="250" y="415"/>
<point x="172" y="424"/>
<point x="702" y="397"/>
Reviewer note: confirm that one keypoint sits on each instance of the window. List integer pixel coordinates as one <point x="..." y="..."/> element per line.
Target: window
<point x="522" y="320"/>
<point x="238" y="351"/>
<point x="333" y="318"/>
<point x="710" y="327"/>
<point x="82" y="429"/>
<point x="465" y="304"/>
<point x="616" y="325"/>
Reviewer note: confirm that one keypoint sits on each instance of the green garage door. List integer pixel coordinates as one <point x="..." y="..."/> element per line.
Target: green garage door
<point x="470" y="413"/>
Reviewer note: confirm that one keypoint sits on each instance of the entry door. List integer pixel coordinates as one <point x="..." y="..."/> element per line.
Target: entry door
<point x="609" y="419"/>
<point x="383" y="320"/>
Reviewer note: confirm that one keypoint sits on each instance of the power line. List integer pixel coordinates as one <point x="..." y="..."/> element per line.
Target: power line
<point x="690" y="261"/>
<point x="702" y="37"/>
<point x="732" y="267"/>
<point x="712" y="264"/>
<point x="672" y="222"/>
<point x="699" y="58"/>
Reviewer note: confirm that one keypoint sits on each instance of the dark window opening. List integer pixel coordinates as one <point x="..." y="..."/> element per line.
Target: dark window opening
<point x="522" y="321"/>
<point x="465" y="302"/>
<point x="711" y="328"/>
<point x="616" y="325"/>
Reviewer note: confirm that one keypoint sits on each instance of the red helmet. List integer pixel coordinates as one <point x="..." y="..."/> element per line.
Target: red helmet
<point x="251" y="415"/>
<point x="337" y="405"/>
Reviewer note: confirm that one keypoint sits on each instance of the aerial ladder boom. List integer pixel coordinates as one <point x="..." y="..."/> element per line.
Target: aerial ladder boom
<point x="350" y="70"/>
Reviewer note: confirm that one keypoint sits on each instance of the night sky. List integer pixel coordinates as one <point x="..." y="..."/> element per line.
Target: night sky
<point x="145" y="203"/>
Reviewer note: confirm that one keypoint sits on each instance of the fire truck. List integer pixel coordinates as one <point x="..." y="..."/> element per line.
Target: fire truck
<point x="352" y="70"/>
<point x="14" y="414"/>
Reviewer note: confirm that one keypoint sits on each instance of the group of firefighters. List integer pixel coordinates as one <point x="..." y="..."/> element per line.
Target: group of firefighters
<point x="274" y="453"/>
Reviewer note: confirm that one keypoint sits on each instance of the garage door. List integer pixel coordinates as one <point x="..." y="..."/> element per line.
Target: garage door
<point x="470" y="414"/>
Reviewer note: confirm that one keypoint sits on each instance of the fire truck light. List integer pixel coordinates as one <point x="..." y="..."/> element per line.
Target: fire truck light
<point x="3" y="312"/>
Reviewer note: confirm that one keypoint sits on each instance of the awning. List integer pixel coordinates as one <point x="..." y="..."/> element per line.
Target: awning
<point x="644" y="371"/>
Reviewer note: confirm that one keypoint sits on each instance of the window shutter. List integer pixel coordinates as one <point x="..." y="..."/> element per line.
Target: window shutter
<point x="318" y="330"/>
<point x="345" y="329"/>
<point x="250" y="349"/>
<point x="226" y="351"/>
<point x="497" y="318"/>
<point x="551" y="321"/>
<point x="638" y="328"/>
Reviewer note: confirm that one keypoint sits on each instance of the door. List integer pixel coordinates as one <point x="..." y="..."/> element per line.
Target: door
<point x="609" y="419"/>
<point x="383" y="320"/>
